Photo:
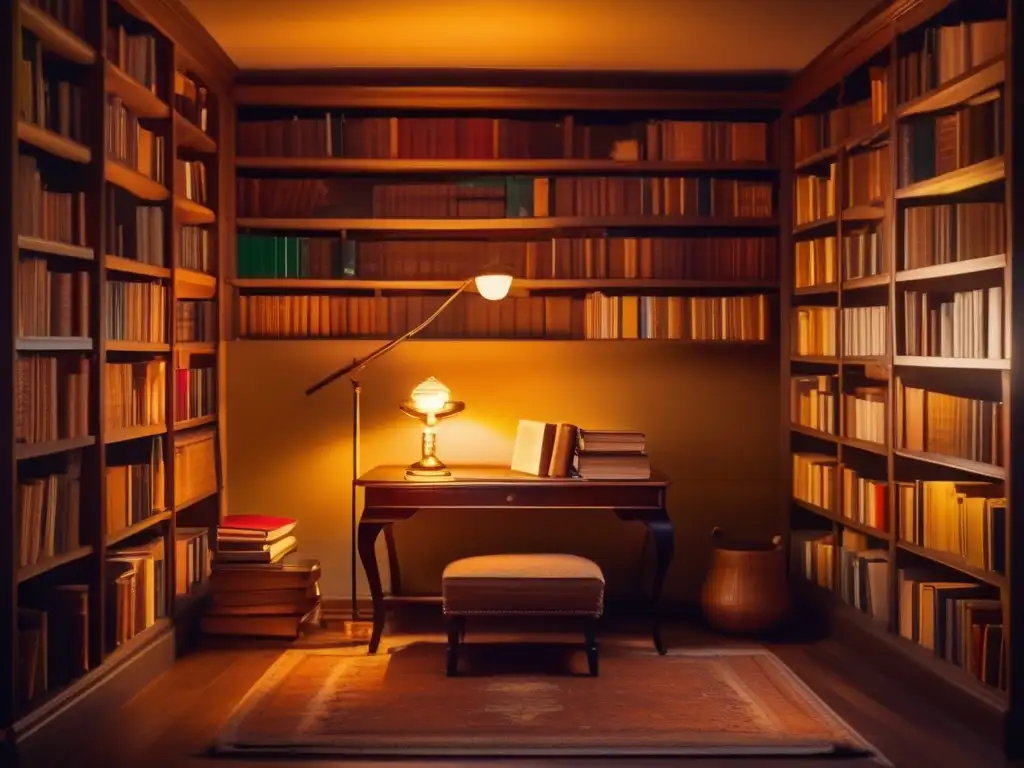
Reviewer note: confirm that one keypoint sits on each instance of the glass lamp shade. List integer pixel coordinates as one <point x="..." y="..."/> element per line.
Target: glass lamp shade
<point x="430" y="396"/>
<point x="493" y="286"/>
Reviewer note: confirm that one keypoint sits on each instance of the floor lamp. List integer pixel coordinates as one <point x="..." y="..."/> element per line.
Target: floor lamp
<point x="493" y="285"/>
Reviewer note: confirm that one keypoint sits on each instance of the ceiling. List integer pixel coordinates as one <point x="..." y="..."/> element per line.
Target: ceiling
<point x="674" y="36"/>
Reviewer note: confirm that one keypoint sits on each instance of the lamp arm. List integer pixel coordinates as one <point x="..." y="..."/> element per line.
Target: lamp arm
<point x="358" y="365"/>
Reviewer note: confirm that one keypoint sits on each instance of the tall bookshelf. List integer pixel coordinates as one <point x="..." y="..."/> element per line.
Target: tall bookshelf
<point x="899" y="362"/>
<point x="110" y="444"/>
<point x="622" y="214"/>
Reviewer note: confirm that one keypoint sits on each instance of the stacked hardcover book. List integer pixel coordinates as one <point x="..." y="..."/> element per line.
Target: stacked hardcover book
<point x="604" y="454"/>
<point x="254" y="591"/>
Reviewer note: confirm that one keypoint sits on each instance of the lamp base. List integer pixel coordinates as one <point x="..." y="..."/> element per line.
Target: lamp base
<point x="428" y="475"/>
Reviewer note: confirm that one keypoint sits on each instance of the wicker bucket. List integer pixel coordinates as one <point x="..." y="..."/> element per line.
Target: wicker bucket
<point x="746" y="591"/>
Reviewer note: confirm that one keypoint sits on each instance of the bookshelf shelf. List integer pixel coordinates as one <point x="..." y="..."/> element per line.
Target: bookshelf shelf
<point x="191" y="137"/>
<point x="814" y="359"/>
<point x="950" y="560"/>
<point x="189" y="212"/>
<point x="525" y="224"/>
<point x="196" y="347"/>
<point x="953" y="462"/>
<point x="862" y="283"/>
<point x="53" y="344"/>
<point x="35" y="450"/>
<point x="125" y="434"/>
<point x="863" y="213"/>
<point x="847" y="522"/>
<point x="395" y="166"/>
<point x="53" y="248"/>
<point x="875" y="136"/>
<point x="816" y="290"/>
<point x="44" y="566"/>
<point x="118" y="345"/>
<point x="815" y="226"/>
<point x="54" y="36"/>
<point x="142" y="101"/>
<point x="132" y="267"/>
<point x="53" y="143"/>
<point x="189" y="284"/>
<point x="957" y="91"/>
<point x="954" y="269"/>
<point x="521" y="284"/>
<point x="195" y="500"/>
<point x="879" y="449"/>
<point x="817" y="160"/>
<point x="963" y="363"/>
<point x="135" y="182"/>
<point x="139" y="527"/>
<point x="960" y="180"/>
<point x="815" y="433"/>
<point x="199" y="421"/>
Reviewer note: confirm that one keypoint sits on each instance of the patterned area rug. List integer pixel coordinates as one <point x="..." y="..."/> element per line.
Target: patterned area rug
<point x="525" y="701"/>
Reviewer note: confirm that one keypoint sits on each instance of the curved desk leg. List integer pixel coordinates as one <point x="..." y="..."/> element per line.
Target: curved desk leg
<point x="393" y="571"/>
<point x="663" y="534"/>
<point x="366" y="542"/>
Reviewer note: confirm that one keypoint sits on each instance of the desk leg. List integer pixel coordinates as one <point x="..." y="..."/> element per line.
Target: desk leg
<point x="396" y="575"/>
<point x="664" y="538"/>
<point x="367" y="540"/>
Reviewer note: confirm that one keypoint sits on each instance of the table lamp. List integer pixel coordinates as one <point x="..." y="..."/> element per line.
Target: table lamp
<point x="431" y="401"/>
<point x="493" y="283"/>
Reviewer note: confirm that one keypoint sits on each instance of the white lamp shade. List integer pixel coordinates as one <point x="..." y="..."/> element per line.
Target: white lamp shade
<point x="493" y="287"/>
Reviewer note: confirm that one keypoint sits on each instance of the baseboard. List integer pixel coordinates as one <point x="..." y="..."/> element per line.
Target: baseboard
<point x="56" y="730"/>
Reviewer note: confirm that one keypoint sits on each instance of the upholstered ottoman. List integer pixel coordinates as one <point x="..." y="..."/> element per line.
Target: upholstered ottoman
<point x="522" y="585"/>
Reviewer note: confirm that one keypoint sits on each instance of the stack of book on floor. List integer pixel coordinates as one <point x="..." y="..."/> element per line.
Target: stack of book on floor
<point x="605" y="454"/>
<point x="254" y="591"/>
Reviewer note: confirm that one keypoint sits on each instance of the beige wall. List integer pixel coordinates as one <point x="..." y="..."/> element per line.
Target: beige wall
<point x="710" y="415"/>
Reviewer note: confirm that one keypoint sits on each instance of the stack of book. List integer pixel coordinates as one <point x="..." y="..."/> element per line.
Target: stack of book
<point x="254" y="592"/>
<point x="604" y="454"/>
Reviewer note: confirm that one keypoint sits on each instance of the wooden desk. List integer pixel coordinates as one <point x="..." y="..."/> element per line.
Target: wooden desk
<point x="391" y="498"/>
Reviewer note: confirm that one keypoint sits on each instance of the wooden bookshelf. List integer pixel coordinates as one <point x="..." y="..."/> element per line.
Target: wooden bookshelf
<point x="921" y="195"/>
<point x="85" y="452"/>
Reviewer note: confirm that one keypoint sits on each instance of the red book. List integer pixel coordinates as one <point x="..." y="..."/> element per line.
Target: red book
<point x="254" y="527"/>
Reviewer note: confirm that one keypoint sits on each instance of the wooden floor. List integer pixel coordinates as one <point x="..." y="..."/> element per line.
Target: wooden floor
<point x="172" y="722"/>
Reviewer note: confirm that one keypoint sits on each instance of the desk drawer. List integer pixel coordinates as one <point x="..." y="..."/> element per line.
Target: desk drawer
<point x="582" y="496"/>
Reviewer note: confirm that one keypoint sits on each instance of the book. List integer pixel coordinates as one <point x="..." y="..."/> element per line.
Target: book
<point x="259" y="528"/>
<point x="266" y="553"/>
<point x="544" y="449"/>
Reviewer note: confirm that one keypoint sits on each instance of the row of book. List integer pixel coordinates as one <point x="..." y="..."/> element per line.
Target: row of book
<point x="596" y="316"/>
<point x="817" y="263"/>
<point x="815" y="197"/>
<point x="335" y="134"/>
<point x="47" y="101"/>
<point x="132" y="145"/>
<point x="195" y="393"/>
<point x="647" y="258"/>
<point x="136" y="311"/>
<point x="134" y="231"/>
<point x="512" y="197"/>
<point x="547" y="449"/>
<point x="195" y="321"/>
<point x="948" y="51"/>
<point x="819" y="131"/>
<point x="51" y="302"/>
<point x="813" y="404"/>
<point x="932" y="147"/>
<point x="136" y="489"/>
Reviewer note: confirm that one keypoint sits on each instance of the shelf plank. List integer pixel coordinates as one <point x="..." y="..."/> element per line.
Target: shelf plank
<point x="392" y="166"/>
<point x="880" y="449"/>
<point x="190" y="284"/>
<point x="953" y="462"/>
<point x="195" y="500"/>
<point x="956" y="563"/>
<point x="199" y="421"/>
<point x="815" y="290"/>
<point x="958" y="90"/>
<point x="828" y="222"/>
<point x="34" y="450"/>
<point x="132" y="267"/>
<point x="134" y="433"/>
<point x="53" y="344"/>
<point x="54" y="36"/>
<point x="863" y="213"/>
<point x="118" y="345"/>
<point x="53" y="248"/>
<point x="960" y="180"/>
<point x="53" y="143"/>
<point x="847" y="522"/>
<point x="818" y="359"/>
<point x="722" y="343"/>
<point x="878" y="134"/>
<point x="196" y="347"/>
<point x="142" y="525"/>
<point x="937" y="271"/>
<point x="525" y="224"/>
<point x="822" y="157"/>
<point x="815" y="433"/>
<point x="135" y="182"/>
<point x="190" y="212"/>
<point x="862" y="283"/>
<point x="311" y="284"/>
<point x="142" y="101"/>
<point x="191" y="136"/>
<point x="962" y="363"/>
<point x="43" y="566"/>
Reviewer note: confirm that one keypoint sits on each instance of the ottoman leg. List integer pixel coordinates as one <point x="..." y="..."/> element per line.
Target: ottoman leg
<point x="591" y="632"/>
<point x="456" y="629"/>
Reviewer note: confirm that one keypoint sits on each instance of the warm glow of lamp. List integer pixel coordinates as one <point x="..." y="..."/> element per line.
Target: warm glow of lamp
<point x="430" y="402"/>
<point x="493" y="286"/>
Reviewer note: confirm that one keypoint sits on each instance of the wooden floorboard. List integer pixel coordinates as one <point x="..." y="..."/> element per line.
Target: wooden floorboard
<point x="175" y="719"/>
